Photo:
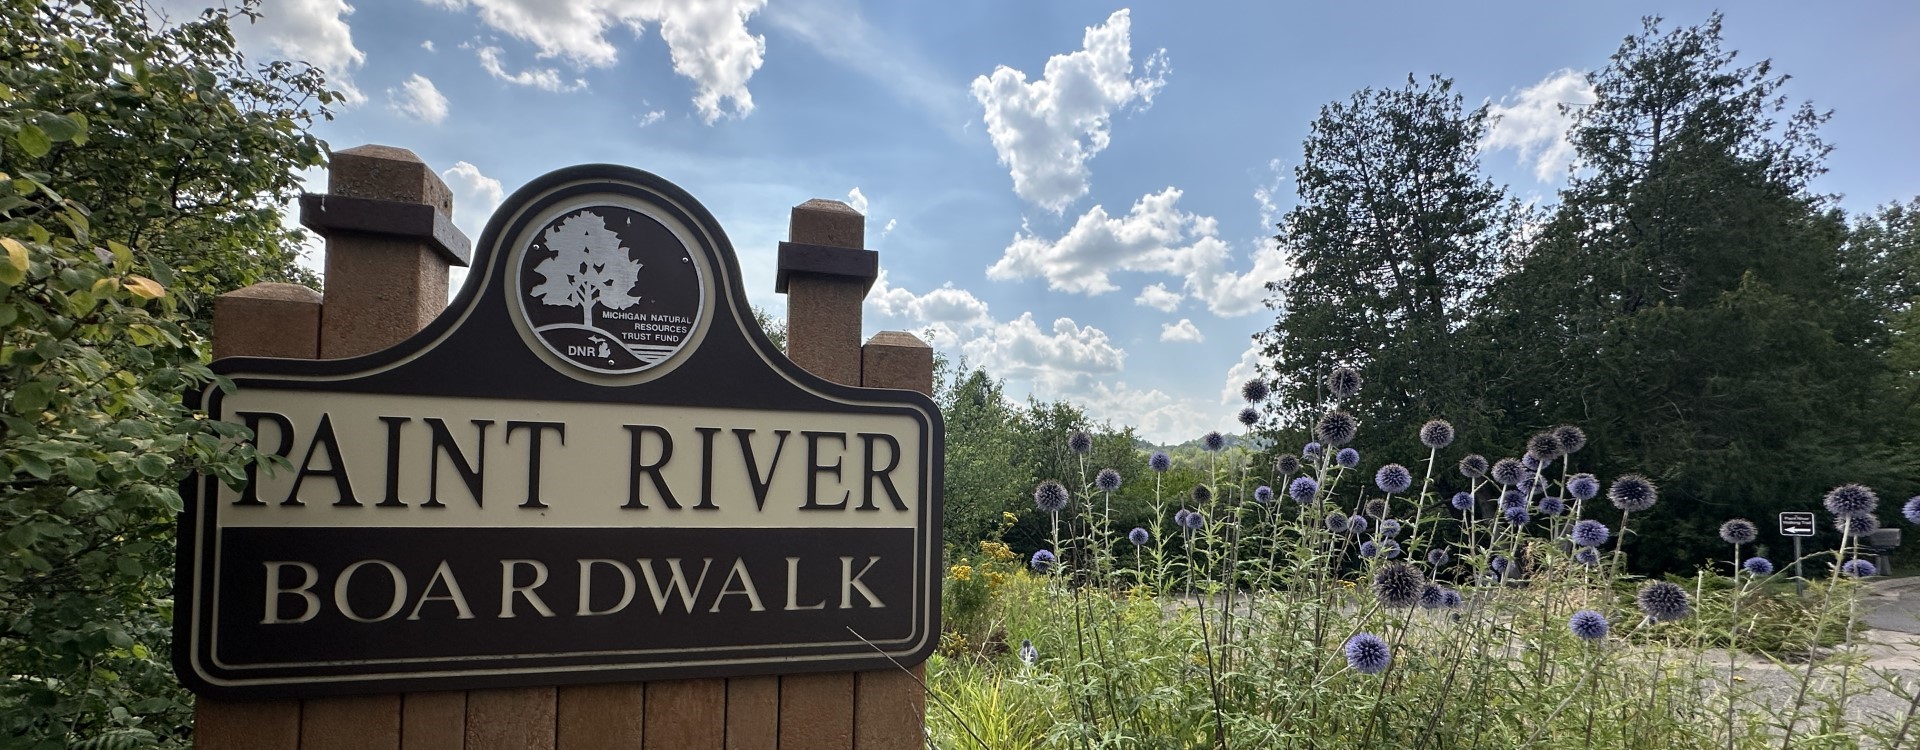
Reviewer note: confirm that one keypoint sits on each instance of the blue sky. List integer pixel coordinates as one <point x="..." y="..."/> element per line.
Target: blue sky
<point x="1074" y="195"/>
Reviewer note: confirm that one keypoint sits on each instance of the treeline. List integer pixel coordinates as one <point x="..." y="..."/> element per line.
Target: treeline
<point x="1689" y="299"/>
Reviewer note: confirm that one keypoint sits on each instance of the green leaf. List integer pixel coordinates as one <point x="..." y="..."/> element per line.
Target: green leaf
<point x="35" y="467"/>
<point x="83" y="471"/>
<point x="33" y="140"/>
<point x="32" y="396"/>
<point x="58" y="128"/>
<point x="150" y="465"/>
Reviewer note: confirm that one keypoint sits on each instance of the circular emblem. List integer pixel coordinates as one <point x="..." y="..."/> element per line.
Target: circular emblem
<point x="609" y="289"/>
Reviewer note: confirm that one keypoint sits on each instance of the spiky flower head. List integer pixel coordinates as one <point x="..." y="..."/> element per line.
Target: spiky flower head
<point x="1050" y="497"/>
<point x="1739" y="531"/>
<point x="1663" y="601"/>
<point x="1390" y="528"/>
<point x="1080" y="442"/>
<point x="1851" y="500"/>
<point x="1571" y="438"/>
<point x="1438" y="557"/>
<point x="1859" y="569"/>
<point x="1436" y="434"/>
<point x="1160" y="462"/>
<point x="1336" y="428"/>
<point x="1434" y="596"/>
<point x="1499" y="564"/>
<point x="1545" y="447"/>
<point x="1590" y="533"/>
<point x="1336" y="522"/>
<point x="1263" y="494"/>
<point x="1516" y="515"/>
<point x="1357" y="525"/>
<point x="1028" y="653"/>
<point x="1393" y="479"/>
<point x="1343" y="382"/>
<point x="1369" y="550"/>
<point x="1202" y="494"/>
<point x="1857" y="526"/>
<point x="1552" y="506"/>
<point x="1398" y="585"/>
<point x="1248" y="416"/>
<point x="1139" y="536"/>
<point x="1287" y="464"/>
<point x="1390" y="549"/>
<point x="1473" y="466"/>
<point x="1509" y="471"/>
<point x="1213" y="442"/>
<point x="1377" y="507"/>
<point x="1310" y="449"/>
<point x="1042" y="561"/>
<point x="1453" y="599"/>
<point x="1633" y="493"/>
<point x="1588" y="625"/>
<point x="1303" y="489"/>
<point x="1347" y="457"/>
<point x="1196" y="520"/>
<point x="1911" y="510"/>
<point x="1512" y="499"/>
<point x="1759" y="566"/>
<point x="1254" y="391"/>
<point x="1180" y="517"/>
<point x="1587" y="556"/>
<point x="1583" y="486"/>
<point x="1367" y="654"/>
<point x="1462" y="501"/>
<point x="1107" y="480"/>
<point x="1527" y="460"/>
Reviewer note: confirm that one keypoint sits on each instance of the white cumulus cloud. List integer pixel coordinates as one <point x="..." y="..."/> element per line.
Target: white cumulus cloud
<point x="1045" y="131"/>
<point x="708" y="41"/>
<point x="1532" y="125"/>
<point x="857" y="200"/>
<point x="1159" y="298"/>
<point x="1063" y="357"/>
<point x="475" y="196"/>
<point x="427" y="45"/>
<point x="950" y="308"/>
<point x="419" y="99"/>
<point x="1181" y="332"/>
<point x="652" y="117"/>
<point x="312" y="31"/>
<point x="545" y="79"/>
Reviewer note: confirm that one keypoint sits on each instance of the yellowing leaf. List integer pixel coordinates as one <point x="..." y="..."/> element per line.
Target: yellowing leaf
<point x="16" y="253"/>
<point x="102" y="286"/>
<point x="144" y="287"/>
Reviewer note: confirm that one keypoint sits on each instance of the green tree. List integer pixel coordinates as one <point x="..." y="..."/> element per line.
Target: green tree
<point x="140" y="171"/>
<point x="982" y="480"/>
<point x="1395" y="235"/>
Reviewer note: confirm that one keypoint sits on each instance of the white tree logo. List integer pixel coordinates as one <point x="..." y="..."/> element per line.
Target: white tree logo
<point x="589" y="267"/>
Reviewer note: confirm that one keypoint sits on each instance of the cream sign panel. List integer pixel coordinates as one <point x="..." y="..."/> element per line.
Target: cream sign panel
<point x="592" y="467"/>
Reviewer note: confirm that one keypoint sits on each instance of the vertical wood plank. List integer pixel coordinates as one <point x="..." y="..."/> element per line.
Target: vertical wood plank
<point x="510" y="719"/>
<point x="354" y="722"/>
<point x="246" y="725"/>
<point x="433" y="721"/>
<point x="593" y="717"/>
<point x="816" y="711"/>
<point x="686" y="715"/>
<point x="753" y="713"/>
<point x="889" y="709"/>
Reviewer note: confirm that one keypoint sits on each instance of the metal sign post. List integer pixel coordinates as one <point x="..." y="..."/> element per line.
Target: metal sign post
<point x="1798" y="525"/>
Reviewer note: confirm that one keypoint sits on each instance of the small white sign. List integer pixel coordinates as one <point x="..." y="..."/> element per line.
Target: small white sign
<point x="1796" y="523"/>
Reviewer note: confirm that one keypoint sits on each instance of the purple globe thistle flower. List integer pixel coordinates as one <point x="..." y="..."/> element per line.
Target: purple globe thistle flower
<point x="1357" y="525"/>
<point x="1160" y="462"/>
<point x="1376" y="507"/>
<point x="1434" y="596"/>
<point x="1911" y="510"/>
<point x="1398" y="585"/>
<point x="1180" y="517"/>
<point x="1453" y="599"/>
<point x="1254" y="391"/>
<point x="1499" y="564"/>
<point x="1528" y="461"/>
<point x="1139" y="536"/>
<point x="1857" y="526"/>
<point x="1552" y="506"/>
<point x="1310" y="449"/>
<point x="1263" y="494"/>
<point x="1367" y="654"/>
<point x="1107" y="480"/>
<point x="1588" y="625"/>
<point x="1663" y="601"/>
<point x="1545" y="447"/>
<point x="1393" y="479"/>
<point x="1042" y="561"/>
<point x="1512" y="499"/>
<point x="1213" y="442"/>
<point x="1336" y="522"/>
<point x="1516" y="515"/>
<point x="1509" y="471"/>
<point x="1303" y="489"/>
<point x="1759" y="566"/>
<point x="1526" y="486"/>
<point x="1050" y="497"/>
<point x="1633" y="493"/>
<point x="1587" y="556"/>
<point x="1336" y="428"/>
<point x="1369" y="549"/>
<point x="1028" y="653"/>
<point x="1462" y="501"/>
<point x="1571" y="438"/>
<point x="1248" y="416"/>
<point x="1196" y="520"/>
<point x="1438" y="557"/>
<point x="1347" y="457"/>
<point x="1590" y="533"/>
<point x="1583" y="486"/>
<point x="1436" y="434"/>
<point x="1080" y="442"/>
<point x="1473" y="466"/>
<point x="1859" y="569"/>
<point x="1739" y="531"/>
<point x="1343" y="382"/>
<point x="1390" y="528"/>
<point x="1202" y="494"/>
<point x="1851" y="500"/>
<point x="1287" y="464"/>
<point x="1390" y="550"/>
